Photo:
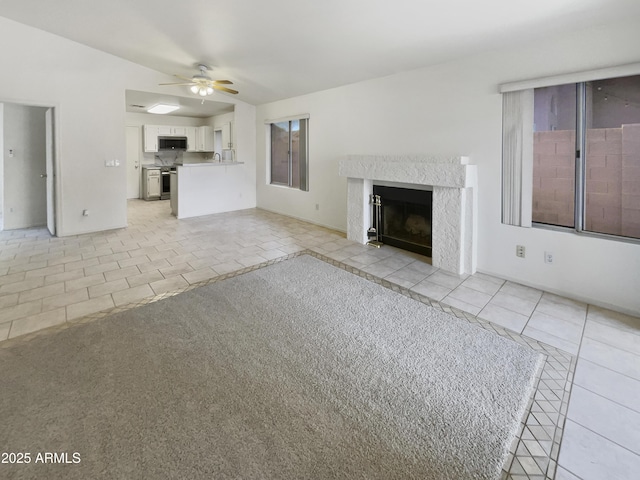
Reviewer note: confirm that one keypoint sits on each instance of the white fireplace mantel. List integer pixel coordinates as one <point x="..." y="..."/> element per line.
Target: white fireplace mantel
<point x="454" y="217"/>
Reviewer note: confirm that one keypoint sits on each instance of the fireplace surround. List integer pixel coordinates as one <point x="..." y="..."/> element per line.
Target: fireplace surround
<point x="454" y="184"/>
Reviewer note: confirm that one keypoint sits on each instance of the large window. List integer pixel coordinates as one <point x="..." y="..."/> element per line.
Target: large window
<point x="585" y="158"/>
<point x="289" y="147"/>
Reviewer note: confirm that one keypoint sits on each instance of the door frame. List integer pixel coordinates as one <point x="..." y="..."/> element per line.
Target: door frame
<point x="50" y="164"/>
<point x="56" y="191"/>
<point x="137" y="160"/>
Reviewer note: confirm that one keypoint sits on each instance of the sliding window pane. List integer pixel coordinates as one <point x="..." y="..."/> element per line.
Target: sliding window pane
<point x="295" y="153"/>
<point x="612" y="167"/>
<point x="280" y="153"/>
<point x="554" y="146"/>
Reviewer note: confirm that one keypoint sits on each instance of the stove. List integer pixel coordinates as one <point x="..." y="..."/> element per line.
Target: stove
<point x="165" y="181"/>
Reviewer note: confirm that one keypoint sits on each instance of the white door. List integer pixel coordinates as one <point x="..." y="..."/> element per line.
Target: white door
<point x="133" y="162"/>
<point x="50" y="170"/>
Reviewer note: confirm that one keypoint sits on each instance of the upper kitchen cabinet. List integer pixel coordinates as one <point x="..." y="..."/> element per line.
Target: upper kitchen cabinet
<point x="192" y="139"/>
<point x="151" y="133"/>
<point x="164" y="130"/>
<point x="204" y="139"/>
<point x="199" y="139"/>
<point x="170" y="131"/>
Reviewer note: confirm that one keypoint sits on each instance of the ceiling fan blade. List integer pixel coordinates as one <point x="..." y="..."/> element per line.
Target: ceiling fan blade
<point x="179" y="83"/>
<point x="184" y="78"/>
<point x="224" y="89"/>
<point x="223" y="82"/>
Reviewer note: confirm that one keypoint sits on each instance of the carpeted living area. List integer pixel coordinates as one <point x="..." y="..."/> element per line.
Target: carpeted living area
<point x="295" y="370"/>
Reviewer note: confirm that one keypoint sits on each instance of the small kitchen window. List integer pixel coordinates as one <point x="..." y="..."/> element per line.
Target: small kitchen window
<point x="288" y="146"/>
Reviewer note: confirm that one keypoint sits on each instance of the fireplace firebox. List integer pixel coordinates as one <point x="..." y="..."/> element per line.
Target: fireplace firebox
<point x="405" y="218"/>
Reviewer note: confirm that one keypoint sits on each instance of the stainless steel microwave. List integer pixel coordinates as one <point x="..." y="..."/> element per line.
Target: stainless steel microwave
<point x="172" y="143"/>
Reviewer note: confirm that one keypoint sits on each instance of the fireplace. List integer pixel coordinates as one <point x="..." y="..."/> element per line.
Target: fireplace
<point x="453" y="182"/>
<point x="405" y="218"/>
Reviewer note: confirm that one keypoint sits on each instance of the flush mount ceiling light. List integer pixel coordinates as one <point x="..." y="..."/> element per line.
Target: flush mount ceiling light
<point x="202" y="84"/>
<point x="161" y="108"/>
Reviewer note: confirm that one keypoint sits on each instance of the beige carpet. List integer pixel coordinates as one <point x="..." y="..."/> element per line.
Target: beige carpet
<point x="297" y="370"/>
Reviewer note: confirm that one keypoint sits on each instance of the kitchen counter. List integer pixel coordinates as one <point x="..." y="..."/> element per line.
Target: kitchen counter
<point x="198" y="190"/>
<point x="210" y="164"/>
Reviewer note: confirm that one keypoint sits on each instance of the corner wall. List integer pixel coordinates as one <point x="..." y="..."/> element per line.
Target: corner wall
<point x="455" y="109"/>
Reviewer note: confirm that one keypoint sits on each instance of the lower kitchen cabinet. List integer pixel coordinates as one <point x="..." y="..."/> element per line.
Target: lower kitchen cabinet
<point x="151" y="188"/>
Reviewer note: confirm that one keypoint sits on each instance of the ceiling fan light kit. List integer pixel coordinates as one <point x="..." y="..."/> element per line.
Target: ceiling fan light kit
<point x="202" y="84"/>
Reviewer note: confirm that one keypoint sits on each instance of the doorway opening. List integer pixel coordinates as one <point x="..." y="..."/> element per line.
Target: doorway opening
<point x="27" y="167"/>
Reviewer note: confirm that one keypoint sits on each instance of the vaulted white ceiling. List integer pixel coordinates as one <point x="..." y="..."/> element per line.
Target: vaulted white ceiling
<point x="275" y="49"/>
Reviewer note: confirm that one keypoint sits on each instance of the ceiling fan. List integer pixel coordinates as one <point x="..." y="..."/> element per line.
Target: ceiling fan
<point x="202" y="84"/>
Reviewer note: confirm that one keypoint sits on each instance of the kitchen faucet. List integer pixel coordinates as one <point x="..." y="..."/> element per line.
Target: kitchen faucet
<point x="219" y="157"/>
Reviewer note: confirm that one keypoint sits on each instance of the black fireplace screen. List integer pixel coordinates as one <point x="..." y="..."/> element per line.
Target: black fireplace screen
<point x="405" y="218"/>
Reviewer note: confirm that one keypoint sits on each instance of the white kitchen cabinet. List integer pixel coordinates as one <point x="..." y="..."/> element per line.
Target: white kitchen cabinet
<point x="227" y="142"/>
<point x="153" y="186"/>
<point x="152" y="132"/>
<point x="204" y="137"/>
<point x="165" y="130"/>
<point x="151" y="179"/>
<point x="192" y="139"/>
<point x="150" y="138"/>
<point x="171" y="131"/>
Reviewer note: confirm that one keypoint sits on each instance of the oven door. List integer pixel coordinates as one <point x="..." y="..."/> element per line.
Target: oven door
<point x="165" y="183"/>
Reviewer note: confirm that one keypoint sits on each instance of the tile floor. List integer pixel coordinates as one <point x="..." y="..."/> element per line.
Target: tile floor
<point x="47" y="281"/>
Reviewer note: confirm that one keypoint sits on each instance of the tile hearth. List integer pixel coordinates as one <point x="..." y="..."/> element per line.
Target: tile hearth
<point x="48" y="282"/>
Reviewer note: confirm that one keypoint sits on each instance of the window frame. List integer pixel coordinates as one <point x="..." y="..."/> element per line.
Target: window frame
<point x="580" y="80"/>
<point x="303" y="166"/>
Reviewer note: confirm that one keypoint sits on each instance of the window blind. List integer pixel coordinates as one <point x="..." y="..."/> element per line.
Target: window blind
<point x="517" y="157"/>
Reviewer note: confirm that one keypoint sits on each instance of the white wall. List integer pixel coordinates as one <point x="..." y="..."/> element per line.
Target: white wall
<point x="24" y="190"/>
<point x="87" y="87"/>
<point x="455" y="109"/>
<point x="1" y="165"/>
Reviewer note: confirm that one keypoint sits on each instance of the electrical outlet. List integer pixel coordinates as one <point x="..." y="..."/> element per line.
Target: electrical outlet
<point x="520" y="251"/>
<point x="548" y="257"/>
